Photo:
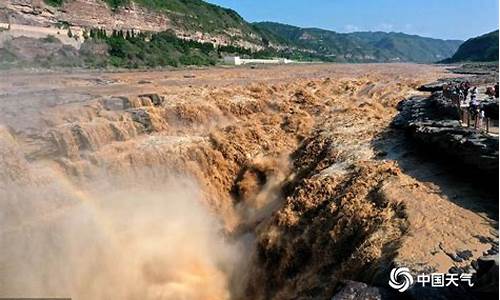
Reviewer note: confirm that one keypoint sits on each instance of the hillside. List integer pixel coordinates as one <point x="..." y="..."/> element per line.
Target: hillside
<point x="184" y="32"/>
<point x="482" y="48"/>
<point x="365" y="46"/>
<point x="189" y="19"/>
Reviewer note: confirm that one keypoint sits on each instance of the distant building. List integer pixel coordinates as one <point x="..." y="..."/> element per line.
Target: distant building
<point x="232" y="60"/>
<point x="237" y="61"/>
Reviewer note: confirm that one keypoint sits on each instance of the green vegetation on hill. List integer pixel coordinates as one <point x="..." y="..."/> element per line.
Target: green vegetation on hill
<point x="55" y="3"/>
<point x="114" y="4"/>
<point x="129" y="50"/>
<point x="479" y="49"/>
<point x="364" y="46"/>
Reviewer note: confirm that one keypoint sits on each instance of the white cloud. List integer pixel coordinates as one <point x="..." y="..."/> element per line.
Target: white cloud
<point x="351" y="28"/>
<point x="408" y="27"/>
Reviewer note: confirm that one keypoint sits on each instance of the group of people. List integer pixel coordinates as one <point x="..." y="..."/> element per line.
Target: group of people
<point x="465" y="97"/>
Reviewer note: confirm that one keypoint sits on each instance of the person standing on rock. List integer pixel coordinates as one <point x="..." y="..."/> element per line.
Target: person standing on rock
<point x="475" y="109"/>
<point x="466" y="87"/>
<point x="473" y="92"/>
<point x="473" y="101"/>
<point x="461" y="97"/>
<point x="473" y="95"/>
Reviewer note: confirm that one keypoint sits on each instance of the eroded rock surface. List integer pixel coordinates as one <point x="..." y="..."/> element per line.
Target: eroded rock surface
<point x="433" y="123"/>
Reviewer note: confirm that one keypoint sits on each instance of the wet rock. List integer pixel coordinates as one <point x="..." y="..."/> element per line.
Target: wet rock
<point x="475" y="265"/>
<point x="492" y="251"/>
<point x="147" y="119"/>
<point x="146" y="101"/>
<point x="432" y="87"/>
<point x="455" y="257"/>
<point x="433" y="124"/>
<point x="155" y="99"/>
<point x="140" y="116"/>
<point x="124" y="102"/>
<point x="352" y="290"/>
<point x="485" y="240"/>
<point x="144" y="81"/>
<point x="485" y="263"/>
<point x="411" y="110"/>
<point x="465" y="255"/>
<point x="486" y="278"/>
<point x="116" y="103"/>
<point x="82" y="137"/>
<point x="469" y="270"/>
<point x="418" y="292"/>
<point x="444" y="108"/>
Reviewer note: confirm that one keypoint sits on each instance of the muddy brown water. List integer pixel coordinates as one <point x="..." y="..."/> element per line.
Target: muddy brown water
<point x="242" y="183"/>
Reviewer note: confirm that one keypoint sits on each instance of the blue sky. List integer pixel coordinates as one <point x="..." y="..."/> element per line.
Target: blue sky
<point x="447" y="19"/>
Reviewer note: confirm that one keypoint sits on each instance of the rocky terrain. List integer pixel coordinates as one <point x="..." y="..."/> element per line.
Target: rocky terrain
<point x="434" y="122"/>
<point x="247" y="183"/>
<point x="80" y="14"/>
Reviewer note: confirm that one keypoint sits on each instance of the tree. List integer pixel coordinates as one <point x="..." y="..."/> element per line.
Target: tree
<point x="85" y="34"/>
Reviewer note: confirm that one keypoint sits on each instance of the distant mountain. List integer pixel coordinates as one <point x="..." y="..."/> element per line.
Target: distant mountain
<point x="481" y="48"/>
<point x="364" y="46"/>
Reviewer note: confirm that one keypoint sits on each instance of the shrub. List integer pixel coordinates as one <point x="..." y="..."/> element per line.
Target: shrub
<point x="55" y="3"/>
<point x="50" y="39"/>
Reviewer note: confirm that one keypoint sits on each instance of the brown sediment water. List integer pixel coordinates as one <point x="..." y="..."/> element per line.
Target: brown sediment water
<point x="230" y="184"/>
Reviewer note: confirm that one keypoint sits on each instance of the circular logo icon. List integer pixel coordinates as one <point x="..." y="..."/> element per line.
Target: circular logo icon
<point x="400" y="279"/>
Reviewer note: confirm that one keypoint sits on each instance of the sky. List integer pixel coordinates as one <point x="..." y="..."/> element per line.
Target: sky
<point x="444" y="19"/>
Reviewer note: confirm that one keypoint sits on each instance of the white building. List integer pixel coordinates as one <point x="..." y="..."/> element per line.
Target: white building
<point x="237" y="61"/>
<point x="232" y="60"/>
